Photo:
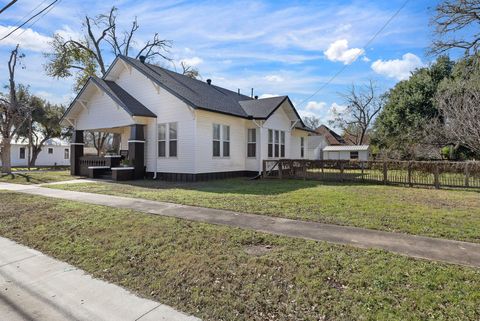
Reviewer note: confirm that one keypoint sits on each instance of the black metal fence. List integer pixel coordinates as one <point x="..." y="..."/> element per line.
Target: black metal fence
<point x="409" y="173"/>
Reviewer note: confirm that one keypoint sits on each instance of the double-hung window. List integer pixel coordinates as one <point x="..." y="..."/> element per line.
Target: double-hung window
<point x="50" y="150"/>
<point x="22" y="153"/>
<point x="172" y="139"/>
<point x="270" y="143"/>
<point x="167" y="140"/>
<point x="66" y="153"/>
<point x="276" y="143"/>
<point x="302" y="147"/>
<point x="252" y="142"/>
<point x="221" y="140"/>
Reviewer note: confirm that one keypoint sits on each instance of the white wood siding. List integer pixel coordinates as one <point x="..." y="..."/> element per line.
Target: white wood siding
<point x="206" y="163"/>
<point x="168" y="108"/>
<point x="99" y="113"/>
<point x="344" y="155"/>
<point x="43" y="159"/>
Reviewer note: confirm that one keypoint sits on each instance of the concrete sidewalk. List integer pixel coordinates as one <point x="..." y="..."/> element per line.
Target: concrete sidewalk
<point x="39" y="288"/>
<point x="450" y="251"/>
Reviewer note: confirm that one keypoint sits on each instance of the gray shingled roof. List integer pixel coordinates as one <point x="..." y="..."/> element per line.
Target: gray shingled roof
<point x="124" y="99"/>
<point x="261" y="108"/>
<point x="194" y="92"/>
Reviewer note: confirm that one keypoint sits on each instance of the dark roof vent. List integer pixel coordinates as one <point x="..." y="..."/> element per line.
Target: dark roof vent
<point x="209" y="81"/>
<point x="142" y="59"/>
<point x="256" y="97"/>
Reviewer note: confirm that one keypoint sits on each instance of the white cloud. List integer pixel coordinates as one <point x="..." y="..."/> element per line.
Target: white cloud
<point x="193" y="62"/>
<point x="316" y="105"/>
<point x="274" y="78"/>
<point x="339" y="51"/>
<point x="27" y="38"/>
<point x="397" y="68"/>
<point x="268" y="96"/>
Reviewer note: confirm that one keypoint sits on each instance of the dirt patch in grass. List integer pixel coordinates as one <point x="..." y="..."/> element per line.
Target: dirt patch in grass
<point x="204" y="270"/>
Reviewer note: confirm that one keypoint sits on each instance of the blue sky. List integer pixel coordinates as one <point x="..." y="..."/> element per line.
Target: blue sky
<point x="277" y="47"/>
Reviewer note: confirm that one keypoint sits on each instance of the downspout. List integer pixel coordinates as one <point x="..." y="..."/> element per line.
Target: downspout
<point x="156" y="148"/>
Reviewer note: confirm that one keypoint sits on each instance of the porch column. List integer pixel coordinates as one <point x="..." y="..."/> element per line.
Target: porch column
<point x="136" y="150"/>
<point x="76" y="151"/>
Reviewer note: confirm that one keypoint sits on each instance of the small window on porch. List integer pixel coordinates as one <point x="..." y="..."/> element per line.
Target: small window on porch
<point x="354" y="155"/>
<point x="22" y="153"/>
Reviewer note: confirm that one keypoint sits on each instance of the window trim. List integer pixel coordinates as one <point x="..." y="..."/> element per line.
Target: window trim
<point x="275" y="144"/>
<point x="66" y="152"/>
<point x="252" y="142"/>
<point x="221" y="140"/>
<point x="20" y="153"/>
<point x="167" y="140"/>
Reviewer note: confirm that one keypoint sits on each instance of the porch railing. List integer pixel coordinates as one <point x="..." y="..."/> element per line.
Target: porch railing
<point x="87" y="161"/>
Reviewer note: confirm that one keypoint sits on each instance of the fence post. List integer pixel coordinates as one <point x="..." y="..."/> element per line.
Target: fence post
<point x="385" y="173"/>
<point x="467" y="175"/>
<point x="280" y="169"/>
<point x="341" y="171"/>
<point x="436" y="179"/>
<point x="409" y="175"/>
<point x="362" y="165"/>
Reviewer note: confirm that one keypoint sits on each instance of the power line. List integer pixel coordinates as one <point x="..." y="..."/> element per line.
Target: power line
<point x="366" y="45"/>
<point x="8" y="6"/>
<point x="30" y="19"/>
<point x="40" y="17"/>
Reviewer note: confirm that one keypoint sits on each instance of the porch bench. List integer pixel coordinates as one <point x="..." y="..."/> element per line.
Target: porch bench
<point x="123" y="173"/>
<point x="96" y="171"/>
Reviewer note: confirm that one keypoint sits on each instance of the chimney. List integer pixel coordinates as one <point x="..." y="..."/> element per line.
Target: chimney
<point x="251" y="96"/>
<point x="239" y="91"/>
<point x="209" y="81"/>
<point x="142" y="59"/>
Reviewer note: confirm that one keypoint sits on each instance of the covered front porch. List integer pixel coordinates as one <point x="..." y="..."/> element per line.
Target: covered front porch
<point x="103" y="106"/>
<point x="125" y="164"/>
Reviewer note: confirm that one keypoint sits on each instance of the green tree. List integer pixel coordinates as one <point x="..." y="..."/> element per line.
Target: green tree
<point x="41" y="125"/>
<point x="409" y="108"/>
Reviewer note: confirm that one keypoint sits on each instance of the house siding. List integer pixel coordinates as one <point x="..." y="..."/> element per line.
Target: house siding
<point x="43" y="159"/>
<point x="168" y="108"/>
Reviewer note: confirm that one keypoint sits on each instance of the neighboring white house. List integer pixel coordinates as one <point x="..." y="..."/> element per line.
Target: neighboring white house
<point x="182" y="126"/>
<point x="54" y="153"/>
<point x="346" y="152"/>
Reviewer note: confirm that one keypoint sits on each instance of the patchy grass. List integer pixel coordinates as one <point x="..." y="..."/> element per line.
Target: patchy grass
<point x="36" y="177"/>
<point x="451" y="214"/>
<point x="222" y="273"/>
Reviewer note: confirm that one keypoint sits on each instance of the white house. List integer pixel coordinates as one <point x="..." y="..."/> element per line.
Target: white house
<point x="346" y="152"/>
<point x="54" y="153"/>
<point x="176" y="127"/>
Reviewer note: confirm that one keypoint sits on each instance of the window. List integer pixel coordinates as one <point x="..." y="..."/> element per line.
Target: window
<point x="282" y="144"/>
<point x="162" y="137"/>
<point x="252" y="142"/>
<point x="172" y="139"/>
<point x="50" y="150"/>
<point x="167" y="139"/>
<point x="66" y="153"/>
<point x="216" y="140"/>
<point x="353" y="155"/>
<point x="276" y="143"/>
<point x="277" y="139"/>
<point x="270" y="143"/>
<point x="221" y="140"/>
<point x="302" y="147"/>
<point x="226" y="141"/>
<point x="22" y="153"/>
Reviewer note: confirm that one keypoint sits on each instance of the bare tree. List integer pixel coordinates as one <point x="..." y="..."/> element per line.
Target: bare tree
<point x="453" y="16"/>
<point x="459" y="105"/>
<point x="189" y="71"/>
<point x="100" y="140"/>
<point x="312" y="122"/>
<point x="362" y="105"/>
<point x="85" y="57"/>
<point x="12" y="110"/>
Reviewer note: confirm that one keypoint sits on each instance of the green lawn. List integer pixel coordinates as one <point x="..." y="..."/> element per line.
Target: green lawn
<point x="222" y="273"/>
<point x="36" y="177"/>
<point x="452" y="214"/>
